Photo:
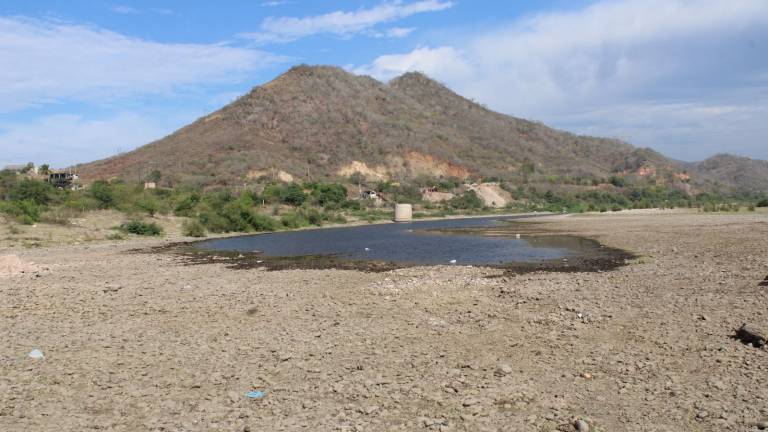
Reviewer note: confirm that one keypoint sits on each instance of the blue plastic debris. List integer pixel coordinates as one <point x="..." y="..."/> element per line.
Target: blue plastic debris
<point x="255" y="394"/>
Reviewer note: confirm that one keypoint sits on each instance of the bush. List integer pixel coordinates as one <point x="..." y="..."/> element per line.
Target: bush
<point x="148" y="204"/>
<point x="186" y="205"/>
<point x="466" y="201"/>
<point x="26" y="212"/>
<point x="617" y="181"/>
<point x="82" y="202"/>
<point x="763" y="203"/>
<point x="329" y="194"/>
<point x="193" y="228"/>
<point x="291" y="194"/>
<point x="260" y="222"/>
<point x="102" y="192"/>
<point x="32" y="190"/>
<point x="294" y="196"/>
<point x="141" y="228"/>
<point x="294" y="220"/>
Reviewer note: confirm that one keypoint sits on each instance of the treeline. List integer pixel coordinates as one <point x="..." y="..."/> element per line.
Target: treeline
<point x="626" y="197"/>
<point x="274" y="205"/>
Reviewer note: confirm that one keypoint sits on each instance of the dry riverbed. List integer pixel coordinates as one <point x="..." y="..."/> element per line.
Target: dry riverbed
<point x="144" y="341"/>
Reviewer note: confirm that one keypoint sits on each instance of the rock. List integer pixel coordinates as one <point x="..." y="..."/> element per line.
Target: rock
<point x="762" y="425"/>
<point x="581" y="425"/>
<point x="586" y="375"/>
<point x="370" y="410"/>
<point x="470" y="402"/>
<point x="503" y="370"/>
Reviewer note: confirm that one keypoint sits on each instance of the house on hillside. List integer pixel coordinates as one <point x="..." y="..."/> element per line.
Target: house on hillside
<point x="64" y="180"/>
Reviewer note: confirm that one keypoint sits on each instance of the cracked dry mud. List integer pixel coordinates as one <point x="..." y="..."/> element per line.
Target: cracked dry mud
<point x="138" y="342"/>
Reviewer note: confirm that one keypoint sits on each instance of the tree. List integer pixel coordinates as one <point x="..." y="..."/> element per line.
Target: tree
<point x="294" y="195"/>
<point x="527" y="169"/>
<point x="102" y="192"/>
<point x="29" y="167"/>
<point x="45" y="169"/>
<point x="155" y="176"/>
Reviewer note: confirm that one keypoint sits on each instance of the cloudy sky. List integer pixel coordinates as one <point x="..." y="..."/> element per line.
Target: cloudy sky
<point x="84" y="79"/>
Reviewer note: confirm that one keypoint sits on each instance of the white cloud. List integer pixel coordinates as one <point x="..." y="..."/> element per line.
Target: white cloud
<point x="341" y="23"/>
<point x="394" y="32"/>
<point x="65" y="139"/>
<point x="276" y="3"/>
<point x="447" y="63"/>
<point x="122" y="9"/>
<point x="609" y="63"/>
<point x="45" y="62"/>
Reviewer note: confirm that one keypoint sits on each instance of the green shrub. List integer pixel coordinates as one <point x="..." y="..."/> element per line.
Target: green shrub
<point x="186" y="205"/>
<point x="193" y="228"/>
<point x="148" y="204"/>
<point x="315" y="217"/>
<point x="82" y="202"/>
<point x="102" y="192"/>
<point x="617" y="181"/>
<point x="294" y="220"/>
<point x="291" y="194"/>
<point x="329" y="194"/>
<point x="762" y="203"/>
<point x="32" y="190"/>
<point x="466" y="201"/>
<point x="26" y="212"/>
<point x="260" y="222"/>
<point x="294" y="196"/>
<point x="351" y="205"/>
<point x="141" y="228"/>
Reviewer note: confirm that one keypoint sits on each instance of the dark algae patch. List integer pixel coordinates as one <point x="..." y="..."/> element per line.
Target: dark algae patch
<point x="483" y="242"/>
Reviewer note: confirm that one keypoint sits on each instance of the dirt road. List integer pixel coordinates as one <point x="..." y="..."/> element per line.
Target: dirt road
<point x="137" y="342"/>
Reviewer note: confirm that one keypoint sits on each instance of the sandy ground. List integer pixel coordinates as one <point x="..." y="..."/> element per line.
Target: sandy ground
<point x="136" y="342"/>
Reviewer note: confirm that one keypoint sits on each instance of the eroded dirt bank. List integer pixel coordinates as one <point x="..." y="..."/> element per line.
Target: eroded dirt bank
<point x="142" y="342"/>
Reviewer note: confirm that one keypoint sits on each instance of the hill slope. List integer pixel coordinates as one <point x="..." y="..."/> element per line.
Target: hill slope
<point x="321" y="122"/>
<point x="749" y="175"/>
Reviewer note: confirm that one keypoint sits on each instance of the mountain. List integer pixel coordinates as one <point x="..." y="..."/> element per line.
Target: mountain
<point x="748" y="175"/>
<point x="321" y="122"/>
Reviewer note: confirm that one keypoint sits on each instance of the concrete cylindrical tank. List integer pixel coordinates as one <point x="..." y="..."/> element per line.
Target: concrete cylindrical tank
<point x="403" y="213"/>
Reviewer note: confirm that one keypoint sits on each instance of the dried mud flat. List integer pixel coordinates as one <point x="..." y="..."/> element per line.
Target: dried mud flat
<point x="137" y="342"/>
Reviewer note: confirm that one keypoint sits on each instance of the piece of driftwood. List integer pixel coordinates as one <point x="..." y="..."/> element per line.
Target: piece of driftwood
<point x="764" y="282"/>
<point x="751" y="335"/>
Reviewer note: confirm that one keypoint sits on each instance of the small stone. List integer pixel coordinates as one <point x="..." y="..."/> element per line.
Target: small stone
<point x="586" y="375"/>
<point x="470" y="402"/>
<point x="371" y="409"/>
<point x="581" y="425"/>
<point x="503" y="370"/>
<point x="762" y="425"/>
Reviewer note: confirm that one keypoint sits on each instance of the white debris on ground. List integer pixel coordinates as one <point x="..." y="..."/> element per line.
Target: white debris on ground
<point x="12" y="265"/>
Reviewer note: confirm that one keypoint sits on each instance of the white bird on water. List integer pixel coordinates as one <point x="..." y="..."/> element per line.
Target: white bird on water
<point x="452" y="261"/>
<point x="367" y="249"/>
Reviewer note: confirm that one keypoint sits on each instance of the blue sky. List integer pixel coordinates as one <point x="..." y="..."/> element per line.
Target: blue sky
<point x="82" y="80"/>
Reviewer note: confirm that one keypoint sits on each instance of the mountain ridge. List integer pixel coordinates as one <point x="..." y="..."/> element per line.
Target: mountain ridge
<point x="319" y="122"/>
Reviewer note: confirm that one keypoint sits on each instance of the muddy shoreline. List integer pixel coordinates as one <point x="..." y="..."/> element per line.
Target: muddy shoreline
<point x="593" y="256"/>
